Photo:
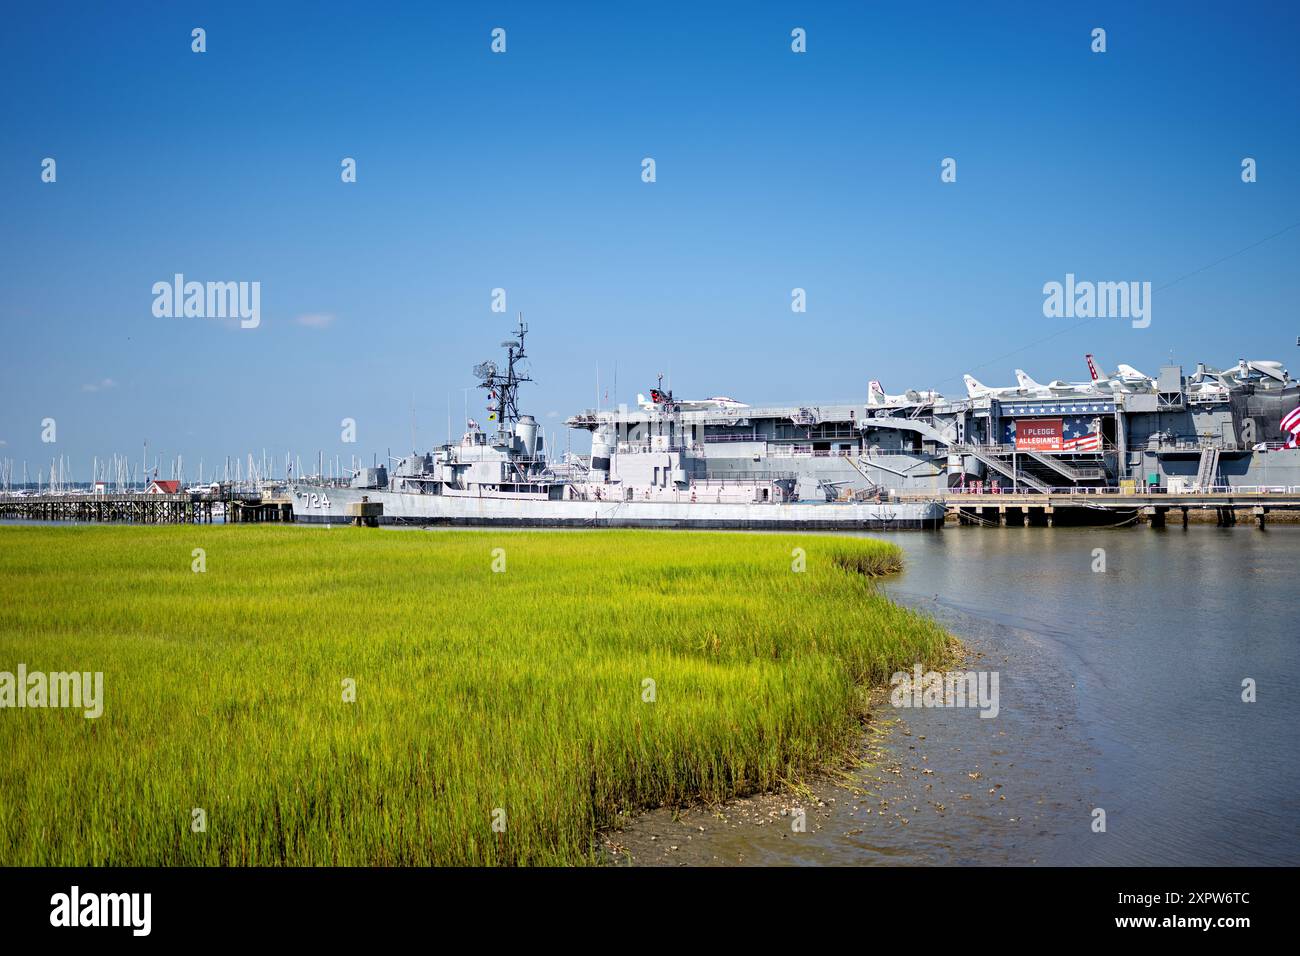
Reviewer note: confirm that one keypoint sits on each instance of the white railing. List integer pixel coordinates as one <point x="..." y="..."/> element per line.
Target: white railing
<point x="640" y="448"/>
<point x="1196" y="444"/>
<point x="877" y="452"/>
<point x="1073" y="491"/>
<point x="803" y="451"/>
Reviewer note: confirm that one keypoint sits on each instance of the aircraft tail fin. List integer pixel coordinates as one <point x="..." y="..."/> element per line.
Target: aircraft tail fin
<point x="1128" y="371"/>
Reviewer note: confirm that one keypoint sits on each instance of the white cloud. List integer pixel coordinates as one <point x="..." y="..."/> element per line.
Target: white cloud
<point x="316" y="320"/>
<point x="102" y="385"/>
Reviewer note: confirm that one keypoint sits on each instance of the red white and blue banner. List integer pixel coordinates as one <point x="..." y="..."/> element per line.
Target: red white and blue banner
<point x="1088" y="442"/>
<point x="1038" y="434"/>
<point x="1071" y="434"/>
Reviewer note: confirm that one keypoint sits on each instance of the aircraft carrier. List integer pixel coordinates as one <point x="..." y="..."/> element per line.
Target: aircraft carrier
<point x="1233" y="428"/>
<point x="721" y="463"/>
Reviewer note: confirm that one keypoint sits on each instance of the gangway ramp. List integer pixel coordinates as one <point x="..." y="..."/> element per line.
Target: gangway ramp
<point x="1004" y="467"/>
<point x="1208" y="470"/>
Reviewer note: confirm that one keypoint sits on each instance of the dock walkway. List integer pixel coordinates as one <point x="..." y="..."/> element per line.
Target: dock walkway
<point x="142" y="508"/>
<point x="1020" y="508"/>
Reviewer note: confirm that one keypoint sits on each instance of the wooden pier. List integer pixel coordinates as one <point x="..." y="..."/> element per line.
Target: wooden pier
<point x="1025" y="508"/>
<point x="141" y="508"/>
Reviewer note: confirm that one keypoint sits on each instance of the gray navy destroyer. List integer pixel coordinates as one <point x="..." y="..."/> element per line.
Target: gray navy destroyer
<point x="886" y="462"/>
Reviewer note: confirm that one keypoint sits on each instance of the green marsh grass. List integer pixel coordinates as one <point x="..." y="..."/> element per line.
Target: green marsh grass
<point x="476" y="690"/>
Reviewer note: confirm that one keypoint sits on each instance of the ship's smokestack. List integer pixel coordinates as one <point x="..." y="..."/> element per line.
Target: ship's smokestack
<point x="603" y="443"/>
<point x="526" y="432"/>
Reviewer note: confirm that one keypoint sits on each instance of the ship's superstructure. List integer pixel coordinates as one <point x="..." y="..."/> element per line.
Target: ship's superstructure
<point x="506" y="460"/>
<point x="502" y="474"/>
<point x="1213" y="428"/>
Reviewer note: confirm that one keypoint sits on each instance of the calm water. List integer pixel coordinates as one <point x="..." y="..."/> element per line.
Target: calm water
<point x="1119" y="690"/>
<point x="1154" y="650"/>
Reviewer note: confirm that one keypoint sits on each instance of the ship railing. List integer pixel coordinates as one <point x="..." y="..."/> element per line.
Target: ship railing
<point x="721" y="439"/>
<point x="803" y="451"/>
<point x="1198" y="443"/>
<point x="875" y="451"/>
<point x="1111" y="491"/>
<point x="968" y="449"/>
<point x="1006" y="487"/>
<point x="1249" y="490"/>
<point x="1221" y="489"/>
<point x="751" y="478"/>
<point x="640" y="448"/>
<point x="833" y="433"/>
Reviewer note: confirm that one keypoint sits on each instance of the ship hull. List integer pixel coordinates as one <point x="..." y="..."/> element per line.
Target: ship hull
<point x="330" y="506"/>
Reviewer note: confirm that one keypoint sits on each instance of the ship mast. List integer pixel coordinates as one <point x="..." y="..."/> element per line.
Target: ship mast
<point x="503" y="387"/>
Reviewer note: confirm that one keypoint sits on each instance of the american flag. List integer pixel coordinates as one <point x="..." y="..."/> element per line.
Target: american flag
<point x="1078" y="437"/>
<point x="1291" y="421"/>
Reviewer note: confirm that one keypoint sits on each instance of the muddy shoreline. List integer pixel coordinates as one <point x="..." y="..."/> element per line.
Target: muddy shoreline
<point x="924" y="787"/>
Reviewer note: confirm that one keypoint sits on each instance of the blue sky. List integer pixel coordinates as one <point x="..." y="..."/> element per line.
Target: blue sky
<point x="775" y="170"/>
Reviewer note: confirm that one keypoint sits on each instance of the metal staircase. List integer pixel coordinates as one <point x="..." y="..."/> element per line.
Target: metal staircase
<point x="1003" y="467"/>
<point x="1208" y="471"/>
<point x="1073" y="472"/>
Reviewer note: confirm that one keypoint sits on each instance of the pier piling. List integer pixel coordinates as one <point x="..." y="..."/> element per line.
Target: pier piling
<point x="145" y="508"/>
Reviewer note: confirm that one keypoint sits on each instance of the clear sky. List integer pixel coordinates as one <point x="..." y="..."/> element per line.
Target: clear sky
<point x="523" y="171"/>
